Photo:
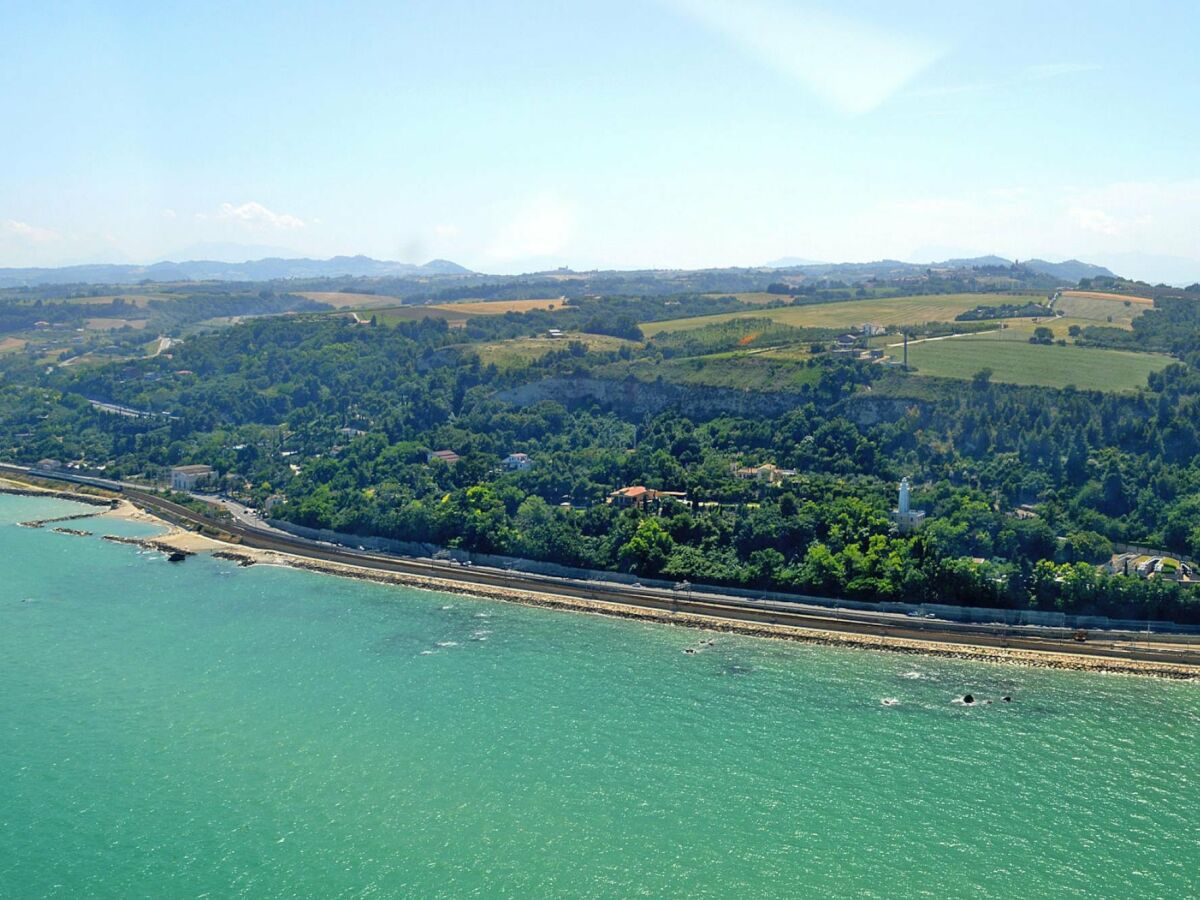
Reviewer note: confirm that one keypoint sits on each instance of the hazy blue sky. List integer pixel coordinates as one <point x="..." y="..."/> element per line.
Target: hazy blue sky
<point x="519" y="135"/>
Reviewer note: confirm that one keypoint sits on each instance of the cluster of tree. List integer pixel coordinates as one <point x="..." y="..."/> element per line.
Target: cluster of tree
<point x="1172" y="326"/>
<point x="166" y="315"/>
<point x="1005" y="311"/>
<point x="339" y="419"/>
<point x="170" y="315"/>
<point x="21" y="314"/>
<point x="939" y="329"/>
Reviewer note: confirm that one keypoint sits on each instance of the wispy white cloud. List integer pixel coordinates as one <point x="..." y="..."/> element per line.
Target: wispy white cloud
<point x="32" y="234"/>
<point x="1058" y="69"/>
<point x="446" y="231"/>
<point x="25" y="244"/>
<point x="1027" y="75"/>
<point x="541" y="229"/>
<point x="254" y="213"/>
<point x="1164" y="215"/>
<point x="1094" y="223"/>
<point x="1094" y="220"/>
<point x="851" y="66"/>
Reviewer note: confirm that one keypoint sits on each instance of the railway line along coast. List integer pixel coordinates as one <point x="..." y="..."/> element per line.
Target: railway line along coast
<point x="1164" y="655"/>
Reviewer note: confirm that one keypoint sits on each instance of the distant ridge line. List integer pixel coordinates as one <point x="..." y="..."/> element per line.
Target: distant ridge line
<point x="266" y="269"/>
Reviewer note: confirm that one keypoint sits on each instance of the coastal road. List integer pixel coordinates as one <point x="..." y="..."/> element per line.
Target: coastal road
<point x="667" y="603"/>
<point x="739" y="610"/>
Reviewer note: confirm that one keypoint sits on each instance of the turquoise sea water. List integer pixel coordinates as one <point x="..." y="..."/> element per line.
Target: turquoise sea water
<point x="203" y="730"/>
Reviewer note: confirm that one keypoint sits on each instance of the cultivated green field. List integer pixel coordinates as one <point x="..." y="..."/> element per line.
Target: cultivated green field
<point x="1019" y="362"/>
<point x="1023" y="329"/>
<point x="891" y="311"/>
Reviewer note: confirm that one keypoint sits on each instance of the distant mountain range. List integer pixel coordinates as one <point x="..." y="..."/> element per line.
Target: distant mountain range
<point x="278" y="268"/>
<point x="213" y="270"/>
<point x="1068" y="270"/>
<point x="1071" y="270"/>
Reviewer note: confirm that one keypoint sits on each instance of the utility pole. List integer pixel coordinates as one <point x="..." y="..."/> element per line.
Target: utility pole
<point x="906" y="351"/>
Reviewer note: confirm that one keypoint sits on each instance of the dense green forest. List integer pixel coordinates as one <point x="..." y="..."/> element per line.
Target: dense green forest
<point x="335" y="420"/>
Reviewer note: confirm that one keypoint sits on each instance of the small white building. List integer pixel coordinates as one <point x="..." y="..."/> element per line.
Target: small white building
<point x="906" y="518"/>
<point x="767" y="472"/>
<point x="184" y="478"/>
<point x="517" y="462"/>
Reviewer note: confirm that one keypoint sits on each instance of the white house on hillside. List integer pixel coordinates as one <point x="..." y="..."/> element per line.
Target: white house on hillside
<point x="184" y="478"/>
<point x="517" y="462"/>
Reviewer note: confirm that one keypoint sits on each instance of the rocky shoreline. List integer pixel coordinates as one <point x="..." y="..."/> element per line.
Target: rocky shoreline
<point x="1025" y="658"/>
<point x="39" y="523"/>
<point x="186" y="543"/>
<point x="12" y="487"/>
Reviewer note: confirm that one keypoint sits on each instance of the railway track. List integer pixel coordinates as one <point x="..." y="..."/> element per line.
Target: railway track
<point x="661" y="601"/>
<point x="653" y="599"/>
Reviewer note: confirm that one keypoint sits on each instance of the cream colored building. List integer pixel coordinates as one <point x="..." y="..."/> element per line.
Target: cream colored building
<point x="184" y="478"/>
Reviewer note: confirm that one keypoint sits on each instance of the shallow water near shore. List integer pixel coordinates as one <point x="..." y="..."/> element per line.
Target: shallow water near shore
<point x="183" y="729"/>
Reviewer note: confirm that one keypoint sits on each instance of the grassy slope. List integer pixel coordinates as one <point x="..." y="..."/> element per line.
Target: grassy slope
<point x="139" y="300"/>
<point x="518" y="351"/>
<point x="1095" y="309"/>
<point x="346" y="300"/>
<point x="756" y="297"/>
<point x="893" y="311"/>
<point x="111" y="324"/>
<point x="742" y="371"/>
<point x="498" y="307"/>
<point x="1106" y="295"/>
<point x="392" y="315"/>
<point x="461" y="308"/>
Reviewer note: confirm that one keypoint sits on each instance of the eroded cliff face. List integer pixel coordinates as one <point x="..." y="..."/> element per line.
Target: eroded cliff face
<point x="637" y="398"/>
<point x="863" y="409"/>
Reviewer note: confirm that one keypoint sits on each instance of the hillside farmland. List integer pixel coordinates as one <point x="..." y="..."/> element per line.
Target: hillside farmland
<point x="1019" y="362"/>
<point x="845" y="314"/>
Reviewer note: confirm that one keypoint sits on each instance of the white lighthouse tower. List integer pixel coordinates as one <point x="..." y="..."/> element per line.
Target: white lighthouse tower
<point x="906" y="518"/>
